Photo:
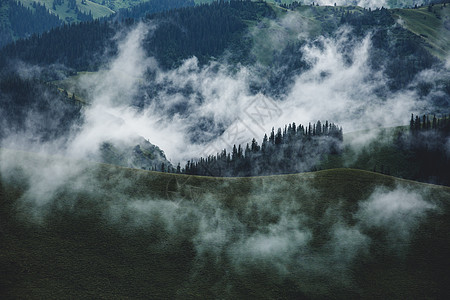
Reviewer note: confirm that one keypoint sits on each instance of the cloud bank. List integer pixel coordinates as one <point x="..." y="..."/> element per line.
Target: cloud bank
<point x="370" y="3"/>
<point x="198" y="110"/>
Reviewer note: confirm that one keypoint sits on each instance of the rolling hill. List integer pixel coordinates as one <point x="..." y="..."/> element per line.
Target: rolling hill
<point x="109" y="232"/>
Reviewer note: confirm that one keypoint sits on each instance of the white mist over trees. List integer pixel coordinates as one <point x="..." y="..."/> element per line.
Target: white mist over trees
<point x="72" y="227"/>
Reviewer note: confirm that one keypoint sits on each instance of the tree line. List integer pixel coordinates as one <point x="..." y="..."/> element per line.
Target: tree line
<point x="290" y="150"/>
<point x="425" y="123"/>
<point x="426" y="145"/>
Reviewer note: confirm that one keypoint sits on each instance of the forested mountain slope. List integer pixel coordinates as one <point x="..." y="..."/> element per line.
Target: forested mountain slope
<point x="23" y="18"/>
<point x="180" y="34"/>
<point x="18" y="21"/>
<point x="207" y="31"/>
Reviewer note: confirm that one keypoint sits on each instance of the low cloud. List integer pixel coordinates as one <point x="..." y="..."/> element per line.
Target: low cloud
<point x="398" y="212"/>
<point x="193" y="107"/>
<point x="370" y="3"/>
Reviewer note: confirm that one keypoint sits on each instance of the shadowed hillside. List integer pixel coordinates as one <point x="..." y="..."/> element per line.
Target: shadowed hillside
<point x="111" y="232"/>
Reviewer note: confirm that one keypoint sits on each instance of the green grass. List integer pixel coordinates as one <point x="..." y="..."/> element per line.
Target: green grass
<point x="72" y="85"/>
<point x="118" y="4"/>
<point x="430" y="26"/>
<point x="77" y="251"/>
<point x="63" y="12"/>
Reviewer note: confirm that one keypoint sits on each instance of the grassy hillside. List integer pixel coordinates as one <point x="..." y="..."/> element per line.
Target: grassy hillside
<point x="118" y="4"/>
<point x="99" y="231"/>
<point x="432" y="25"/>
<point x="69" y="15"/>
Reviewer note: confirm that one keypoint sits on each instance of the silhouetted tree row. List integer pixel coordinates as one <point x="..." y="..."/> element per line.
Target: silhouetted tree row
<point x="289" y="150"/>
<point x="19" y="21"/>
<point x="426" y="145"/>
<point x="421" y="124"/>
<point x="293" y="5"/>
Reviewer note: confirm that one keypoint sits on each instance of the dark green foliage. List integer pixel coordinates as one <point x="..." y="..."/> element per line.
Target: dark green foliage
<point x="35" y="110"/>
<point x="296" y="149"/>
<point x="426" y="145"/>
<point x="21" y="22"/>
<point x="419" y="152"/>
<point x="93" y="244"/>
<point x="150" y="7"/>
<point x="204" y="31"/>
<point x="201" y="31"/>
<point x="293" y="5"/>
<point x="399" y="51"/>
<point x="77" y="46"/>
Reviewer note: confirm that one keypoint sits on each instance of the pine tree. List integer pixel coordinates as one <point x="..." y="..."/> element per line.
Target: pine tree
<point x="264" y="144"/>
<point x="278" y="137"/>
<point x="272" y="136"/>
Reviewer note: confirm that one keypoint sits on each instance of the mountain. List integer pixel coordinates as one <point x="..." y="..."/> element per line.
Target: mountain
<point x="431" y="23"/>
<point x="117" y="5"/>
<point x="21" y="19"/>
<point x="18" y="21"/>
<point x="83" y="10"/>
<point x="75" y="45"/>
<point x="238" y="19"/>
<point x="98" y="117"/>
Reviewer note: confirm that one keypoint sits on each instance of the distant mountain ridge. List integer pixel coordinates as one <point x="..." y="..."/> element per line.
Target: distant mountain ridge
<point x="19" y="21"/>
<point x="23" y="18"/>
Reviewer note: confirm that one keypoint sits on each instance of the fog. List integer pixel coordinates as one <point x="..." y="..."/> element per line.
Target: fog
<point x="271" y="227"/>
<point x="196" y="110"/>
<point x="371" y="3"/>
<point x="221" y="109"/>
<point x="282" y="229"/>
